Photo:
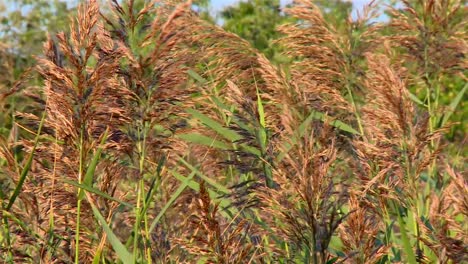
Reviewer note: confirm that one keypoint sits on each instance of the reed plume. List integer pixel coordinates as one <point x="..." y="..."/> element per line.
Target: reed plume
<point x="85" y="104"/>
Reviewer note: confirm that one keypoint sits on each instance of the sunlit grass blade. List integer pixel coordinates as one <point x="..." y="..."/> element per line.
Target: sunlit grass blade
<point x="208" y="180"/>
<point x="408" y="249"/>
<point x="88" y="179"/>
<point x="230" y="110"/>
<point x="96" y="191"/>
<point x="261" y="111"/>
<point x="152" y="188"/>
<point x="221" y="130"/>
<point x="202" y="140"/>
<point x="306" y="124"/>
<point x="335" y="123"/>
<point x="263" y="140"/>
<point x="217" y="127"/>
<point x="415" y="99"/>
<point x="196" y="76"/>
<point x="189" y="179"/>
<point x="19" y="222"/>
<point x="224" y="203"/>
<point x="261" y="115"/>
<point x="173" y="198"/>
<point x="27" y="166"/>
<point x="453" y="105"/>
<point x="124" y="255"/>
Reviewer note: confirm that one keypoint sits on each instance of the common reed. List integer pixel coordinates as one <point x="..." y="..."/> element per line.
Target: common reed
<point x="157" y="137"/>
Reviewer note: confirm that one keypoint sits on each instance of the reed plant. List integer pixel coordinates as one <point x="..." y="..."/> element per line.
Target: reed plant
<point x="158" y="137"/>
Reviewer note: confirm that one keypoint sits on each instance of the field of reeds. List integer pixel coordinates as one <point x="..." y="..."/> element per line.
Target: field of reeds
<point x="145" y="134"/>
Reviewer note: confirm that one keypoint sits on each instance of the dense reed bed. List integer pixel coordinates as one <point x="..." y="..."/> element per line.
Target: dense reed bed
<point x="157" y="137"/>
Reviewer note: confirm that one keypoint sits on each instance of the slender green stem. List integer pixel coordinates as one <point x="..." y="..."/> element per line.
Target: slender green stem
<point x="80" y="179"/>
<point x="355" y="109"/>
<point x="412" y="179"/>
<point x="139" y="209"/>
<point x="136" y="227"/>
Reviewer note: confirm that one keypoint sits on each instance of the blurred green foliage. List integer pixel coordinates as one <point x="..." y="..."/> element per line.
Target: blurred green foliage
<point x="24" y="26"/>
<point x="256" y="22"/>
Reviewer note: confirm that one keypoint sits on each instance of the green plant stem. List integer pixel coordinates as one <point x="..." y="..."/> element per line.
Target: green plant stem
<point x="356" y="113"/>
<point x="80" y="179"/>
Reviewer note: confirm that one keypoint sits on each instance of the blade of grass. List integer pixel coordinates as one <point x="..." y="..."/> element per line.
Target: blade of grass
<point x="19" y="222"/>
<point x="453" y="105"/>
<point x="261" y="111"/>
<point x="335" y="123"/>
<point x="153" y="182"/>
<point x="202" y="140"/>
<point x="226" y="108"/>
<point x="411" y="258"/>
<point x="124" y="255"/>
<point x="306" y="124"/>
<point x="96" y="191"/>
<point x="262" y="137"/>
<point x="191" y="183"/>
<point x="224" y="203"/>
<point x="196" y="76"/>
<point x="218" y="128"/>
<point x="415" y="99"/>
<point x="173" y="198"/>
<point x="213" y="183"/>
<point x="88" y="179"/>
<point x="26" y="167"/>
<point x="261" y="116"/>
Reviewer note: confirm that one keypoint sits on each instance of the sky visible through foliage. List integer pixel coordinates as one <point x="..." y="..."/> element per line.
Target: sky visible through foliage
<point x="218" y="5"/>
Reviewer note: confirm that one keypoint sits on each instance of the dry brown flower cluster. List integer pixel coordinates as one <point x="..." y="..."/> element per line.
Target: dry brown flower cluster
<point x="159" y="137"/>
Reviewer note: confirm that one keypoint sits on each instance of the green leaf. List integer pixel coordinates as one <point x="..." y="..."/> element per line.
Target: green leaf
<point x="240" y="124"/>
<point x="88" y="179"/>
<point x="173" y="198"/>
<point x="196" y="187"/>
<point x="191" y="183"/>
<point x="153" y="188"/>
<point x="335" y="123"/>
<point x="217" y="127"/>
<point x="415" y="99"/>
<point x="124" y="255"/>
<point x="26" y="167"/>
<point x="196" y="76"/>
<point x="202" y="140"/>
<point x="251" y="150"/>
<point x="220" y="104"/>
<point x="261" y="115"/>
<point x="453" y="105"/>
<point x="96" y="191"/>
<point x="261" y="111"/>
<point x="210" y="181"/>
<point x="306" y="124"/>
<point x="411" y="258"/>
<point x="230" y="110"/>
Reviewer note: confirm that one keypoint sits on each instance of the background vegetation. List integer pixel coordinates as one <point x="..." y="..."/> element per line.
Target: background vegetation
<point x="143" y="132"/>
